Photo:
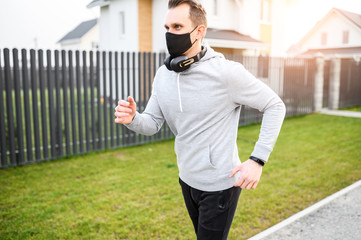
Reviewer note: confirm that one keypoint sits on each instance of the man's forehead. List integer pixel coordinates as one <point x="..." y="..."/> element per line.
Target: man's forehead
<point x="179" y="14"/>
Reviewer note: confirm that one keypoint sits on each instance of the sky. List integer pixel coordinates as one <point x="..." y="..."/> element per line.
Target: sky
<point x="41" y="23"/>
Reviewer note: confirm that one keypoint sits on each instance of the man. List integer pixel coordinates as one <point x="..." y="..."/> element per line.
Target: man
<point x="200" y="93"/>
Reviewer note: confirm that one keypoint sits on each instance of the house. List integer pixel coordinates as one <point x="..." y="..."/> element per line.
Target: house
<point x="249" y="27"/>
<point x="83" y="37"/>
<point x="338" y="33"/>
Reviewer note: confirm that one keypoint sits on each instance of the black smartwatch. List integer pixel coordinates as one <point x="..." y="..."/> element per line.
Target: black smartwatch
<point x="257" y="160"/>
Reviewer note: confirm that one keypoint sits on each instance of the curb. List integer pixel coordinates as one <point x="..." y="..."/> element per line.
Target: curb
<point x="305" y="212"/>
<point x="341" y="113"/>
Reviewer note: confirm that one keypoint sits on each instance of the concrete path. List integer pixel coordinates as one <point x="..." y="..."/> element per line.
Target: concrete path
<point x="337" y="217"/>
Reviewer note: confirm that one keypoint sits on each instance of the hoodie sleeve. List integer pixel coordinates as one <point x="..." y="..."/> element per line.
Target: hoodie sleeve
<point x="151" y="120"/>
<point x="245" y="89"/>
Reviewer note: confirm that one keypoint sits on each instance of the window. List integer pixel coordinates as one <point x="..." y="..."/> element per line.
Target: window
<point x="215" y="7"/>
<point x="266" y="9"/>
<point x="121" y="24"/>
<point x="323" y="38"/>
<point x="345" y="36"/>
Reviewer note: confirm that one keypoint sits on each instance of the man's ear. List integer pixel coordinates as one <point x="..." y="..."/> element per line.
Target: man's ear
<point x="201" y="32"/>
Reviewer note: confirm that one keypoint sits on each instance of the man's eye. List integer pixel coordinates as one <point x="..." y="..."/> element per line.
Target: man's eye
<point x="177" y="26"/>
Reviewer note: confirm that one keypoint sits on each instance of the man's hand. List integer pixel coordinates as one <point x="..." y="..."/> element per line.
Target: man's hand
<point x="125" y="111"/>
<point x="250" y="174"/>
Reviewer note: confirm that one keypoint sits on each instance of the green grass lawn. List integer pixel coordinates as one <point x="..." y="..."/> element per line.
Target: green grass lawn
<point x="133" y="193"/>
<point x="354" y="108"/>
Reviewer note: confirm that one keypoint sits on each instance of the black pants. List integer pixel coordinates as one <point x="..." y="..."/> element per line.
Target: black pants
<point x="211" y="212"/>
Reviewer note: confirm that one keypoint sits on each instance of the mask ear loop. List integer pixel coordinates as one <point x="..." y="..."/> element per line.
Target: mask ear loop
<point x="193" y="29"/>
<point x="190" y="35"/>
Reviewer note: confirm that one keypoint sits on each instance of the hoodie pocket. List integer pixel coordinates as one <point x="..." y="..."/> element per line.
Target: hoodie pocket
<point x="194" y="159"/>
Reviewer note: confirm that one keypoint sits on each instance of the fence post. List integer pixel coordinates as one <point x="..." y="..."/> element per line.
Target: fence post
<point x="318" y="86"/>
<point x="334" y="87"/>
<point x="3" y="145"/>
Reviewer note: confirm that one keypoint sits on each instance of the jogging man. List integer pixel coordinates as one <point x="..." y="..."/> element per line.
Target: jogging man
<point x="199" y="94"/>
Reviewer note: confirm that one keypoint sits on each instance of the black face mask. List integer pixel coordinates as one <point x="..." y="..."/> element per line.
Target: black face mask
<point x="178" y="44"/>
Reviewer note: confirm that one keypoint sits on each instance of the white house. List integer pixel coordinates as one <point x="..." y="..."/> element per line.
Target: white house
<point x="83" y="37"/>
<point x="338" y="33"/>
<point x="249" y="27"/>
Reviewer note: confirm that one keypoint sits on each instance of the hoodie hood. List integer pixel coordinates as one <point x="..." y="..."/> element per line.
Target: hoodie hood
<point x="210" y="53"/>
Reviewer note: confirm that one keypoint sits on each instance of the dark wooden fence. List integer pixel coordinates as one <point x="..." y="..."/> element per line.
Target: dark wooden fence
<point x="350" y="85"/>
<point x="61" y="103"/>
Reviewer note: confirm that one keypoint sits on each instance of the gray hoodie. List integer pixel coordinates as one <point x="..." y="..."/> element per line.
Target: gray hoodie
<point x="202" y="106"/>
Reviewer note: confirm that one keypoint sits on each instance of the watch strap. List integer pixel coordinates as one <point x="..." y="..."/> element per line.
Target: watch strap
<point x="257" y="160"/>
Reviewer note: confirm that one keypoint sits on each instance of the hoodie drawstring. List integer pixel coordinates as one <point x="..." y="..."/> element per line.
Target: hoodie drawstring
<point x="179" y="94"/>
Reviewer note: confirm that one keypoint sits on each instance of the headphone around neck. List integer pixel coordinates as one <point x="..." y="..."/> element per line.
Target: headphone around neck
<point x="182" y="63"/>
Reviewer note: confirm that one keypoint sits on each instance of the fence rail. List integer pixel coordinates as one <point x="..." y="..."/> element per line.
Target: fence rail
<point x="61" y="103"/>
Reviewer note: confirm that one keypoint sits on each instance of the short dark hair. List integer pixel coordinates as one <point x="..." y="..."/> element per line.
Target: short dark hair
<point x="197" y="14"/>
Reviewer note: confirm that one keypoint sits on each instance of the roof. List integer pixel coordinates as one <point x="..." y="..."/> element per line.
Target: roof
<point x="353" y="17"/>
<point x="229" y="35"/>
<point x="99" y="3"/>
<point x="232" y="39"/>
<point x="347" y="51"/>
<point x="80" y="30"/>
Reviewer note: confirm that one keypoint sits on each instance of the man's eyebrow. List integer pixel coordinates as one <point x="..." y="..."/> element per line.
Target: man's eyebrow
<point x="173" y="24"/>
